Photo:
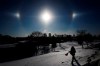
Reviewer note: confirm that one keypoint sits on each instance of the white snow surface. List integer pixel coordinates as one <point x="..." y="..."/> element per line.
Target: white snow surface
<point x="55" y="58"/>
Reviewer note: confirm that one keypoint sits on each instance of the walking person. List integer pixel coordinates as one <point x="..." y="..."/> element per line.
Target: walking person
<point x="72" y="52"/>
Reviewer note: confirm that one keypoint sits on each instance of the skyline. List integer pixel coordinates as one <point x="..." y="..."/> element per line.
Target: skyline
<point x="21" y="17"/>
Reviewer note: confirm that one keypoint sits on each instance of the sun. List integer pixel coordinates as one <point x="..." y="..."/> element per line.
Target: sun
<point x="46" y="16"/>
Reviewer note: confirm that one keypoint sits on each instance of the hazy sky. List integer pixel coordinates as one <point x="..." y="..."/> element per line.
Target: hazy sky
<point x="21" y="17"/>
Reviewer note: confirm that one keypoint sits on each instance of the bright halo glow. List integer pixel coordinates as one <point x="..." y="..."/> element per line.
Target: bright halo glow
<point x="74" y="15"/>
<point x="17" y="15"/>
<point x="46" y="16"/>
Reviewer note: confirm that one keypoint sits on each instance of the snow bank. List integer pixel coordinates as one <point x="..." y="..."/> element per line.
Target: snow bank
<point x="55" y="58"/>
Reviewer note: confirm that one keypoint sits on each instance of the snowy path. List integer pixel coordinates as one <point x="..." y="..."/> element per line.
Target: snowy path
<point x="53" y="59"/>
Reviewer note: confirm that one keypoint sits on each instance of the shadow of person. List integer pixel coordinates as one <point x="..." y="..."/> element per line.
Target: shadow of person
<point x="74" y="59"/>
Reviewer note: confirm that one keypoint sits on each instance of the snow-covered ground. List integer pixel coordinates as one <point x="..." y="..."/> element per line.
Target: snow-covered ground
<point x="57" y="58"/>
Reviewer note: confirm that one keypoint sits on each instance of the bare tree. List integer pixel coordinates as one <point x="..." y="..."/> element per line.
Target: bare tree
<point x="37" y="34"/>
<point x="80" y="36"/>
